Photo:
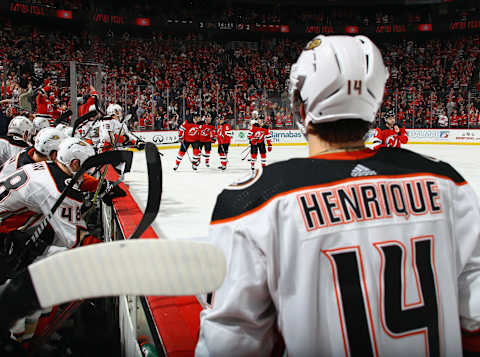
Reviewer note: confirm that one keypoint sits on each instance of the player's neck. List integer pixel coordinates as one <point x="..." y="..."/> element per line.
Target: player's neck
<point x="317" y="146"/>
<point x="64" y="168"/>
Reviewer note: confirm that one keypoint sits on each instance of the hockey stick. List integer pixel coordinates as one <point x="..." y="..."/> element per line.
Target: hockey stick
<point x="110" y="157"/>
<point x="63" y="117"/>
<point x="186" y="150"/>
<point x="155" y="267"/>
<point x="82" y="120"/>
<point x="245" y="150"/>
<point x="155" y="184"/>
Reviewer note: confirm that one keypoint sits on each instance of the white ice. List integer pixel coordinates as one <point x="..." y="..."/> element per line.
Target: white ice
<point x="189" y="197"/>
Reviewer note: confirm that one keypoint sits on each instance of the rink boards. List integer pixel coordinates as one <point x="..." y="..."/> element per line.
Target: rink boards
<point x="294" y="137"/>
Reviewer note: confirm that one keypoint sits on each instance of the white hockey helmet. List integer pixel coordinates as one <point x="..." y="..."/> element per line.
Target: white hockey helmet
<point x="68" y="131"/>
<point x="48" y="140"/>
<point x="61" y="127"/>
<point x="337" y="77"/>
<point x="20" y="126"/>
<point x="74" y="148"/>
<point x="40" y="122"/>
<point x="255" y="113"/>
<point x="114" y="109"/>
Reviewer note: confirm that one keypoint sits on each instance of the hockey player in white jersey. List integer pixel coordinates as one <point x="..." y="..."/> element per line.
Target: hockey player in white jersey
<point x="45" y="148"/>
<point x="350" y="252"/>
<point x="29" y="193"/>
<point x="115" y="132"/>
<point x="19" y="133"/>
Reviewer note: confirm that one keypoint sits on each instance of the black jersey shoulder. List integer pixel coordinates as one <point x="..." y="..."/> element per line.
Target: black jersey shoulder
<point x="24" y="158"/>
<point x="12" y="141"/>
<point x="62" y="180"/>
<point x="294" y="174"/>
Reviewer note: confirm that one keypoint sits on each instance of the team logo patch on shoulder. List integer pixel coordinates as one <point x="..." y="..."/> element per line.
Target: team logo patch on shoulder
<point x="313" y="44"/>
<point x="246" y="181"/>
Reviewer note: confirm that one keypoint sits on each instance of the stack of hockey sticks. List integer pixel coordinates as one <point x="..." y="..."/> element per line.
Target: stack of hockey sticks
<point x="156" y="267"/>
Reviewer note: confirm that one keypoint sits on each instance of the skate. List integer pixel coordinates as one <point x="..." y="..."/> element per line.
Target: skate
<point x="223" y="168"/>
<point x="175" y="168"/>
<point x="194" y="167"/>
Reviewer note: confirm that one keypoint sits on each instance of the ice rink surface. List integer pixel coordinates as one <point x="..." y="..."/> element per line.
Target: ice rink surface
<point x="189" y="197"/>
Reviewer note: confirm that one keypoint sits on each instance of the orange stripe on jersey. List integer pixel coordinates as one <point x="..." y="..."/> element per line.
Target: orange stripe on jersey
<point x="334" y="183"/>
<point x="346" y="155"/>
<point x="89" y="183"/>
<point x="14" y="222"/>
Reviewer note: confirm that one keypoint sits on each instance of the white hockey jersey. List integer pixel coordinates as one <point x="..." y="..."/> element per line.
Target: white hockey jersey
<point x="15" y="162"/>
<point x="90" y="131"/>
<point x="346" y="254"/>
<point x="28" y="194"/>
<point x="110" y="129"/>
<point x="9" y="146"/>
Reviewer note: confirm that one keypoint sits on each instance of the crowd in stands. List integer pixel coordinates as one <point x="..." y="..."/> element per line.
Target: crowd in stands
<point x="167" y="78"/>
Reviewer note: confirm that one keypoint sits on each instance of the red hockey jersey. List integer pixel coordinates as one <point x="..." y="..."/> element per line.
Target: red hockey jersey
<point x="224" y="133"/>
<point x="388" y="138"/>
<point x="189" y="132"/>
<point x="259" y="134"/>
<point x="207" y="133"/>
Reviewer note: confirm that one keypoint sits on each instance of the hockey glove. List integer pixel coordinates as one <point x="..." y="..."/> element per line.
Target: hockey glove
<point x="14" y="255"/>
<point x="110" y="191"/>
<point x="269" y="148"/>
<point x="140" y="145"/>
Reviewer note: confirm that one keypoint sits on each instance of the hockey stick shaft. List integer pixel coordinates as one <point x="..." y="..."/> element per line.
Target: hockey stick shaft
<point x="186" y="150"/>
<point x="156" y="267"/>
<point x="246" y="152"/>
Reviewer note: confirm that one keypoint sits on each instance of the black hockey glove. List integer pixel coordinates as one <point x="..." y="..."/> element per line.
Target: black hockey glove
<point x="110" y="191"/>
<point x="15" y="255"/>
<point x="139" y="145"/>
<point x="12" y="247"/>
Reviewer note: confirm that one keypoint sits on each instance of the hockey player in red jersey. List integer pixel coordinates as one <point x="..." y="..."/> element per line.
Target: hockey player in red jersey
<point x="351" y="251"/>
<point x="391" y="135"/>
<point x="224" y="136"/>
<point x="258" y="135"/>
<point x="19" y="132"/>
<point x="189" y="134"/>
<point x="207" y="136"/>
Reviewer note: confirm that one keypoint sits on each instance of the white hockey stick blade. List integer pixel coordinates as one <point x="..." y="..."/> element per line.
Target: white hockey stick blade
<point x="136" y="267"/>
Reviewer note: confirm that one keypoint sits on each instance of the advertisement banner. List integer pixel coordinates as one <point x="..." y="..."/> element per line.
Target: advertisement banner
<point x="295" y="137"/>
<point x="158" y="137"/>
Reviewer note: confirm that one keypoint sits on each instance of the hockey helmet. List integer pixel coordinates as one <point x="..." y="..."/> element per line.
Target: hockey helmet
<point x="41" y="121"/>
<point x="74" y="148"/>
<point x="337" y="77"/>
<point x="21" y="126"/>
<point x="114" y="109"/>
<point x="48" y="140"/>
